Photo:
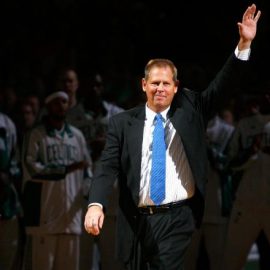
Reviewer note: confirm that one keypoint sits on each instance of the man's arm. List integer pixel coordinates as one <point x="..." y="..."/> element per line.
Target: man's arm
<point x="230" y="77"/>
<point x="103" y="180"/>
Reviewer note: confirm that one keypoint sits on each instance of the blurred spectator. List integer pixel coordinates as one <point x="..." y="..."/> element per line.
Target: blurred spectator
<point x="250" y="167"/>
<point x="68" y="82"/>
<point x="26" y="120"/>
<point x="227" y="115"/>
<point x="218" y="201"/>
<point x="34" y="101"/>
<point x="78" y="116"/>
<point x="101" y="110"/>
<point x="57" y="173"/>
<point x="10" y="207"/>
<point x="10" y="102"/>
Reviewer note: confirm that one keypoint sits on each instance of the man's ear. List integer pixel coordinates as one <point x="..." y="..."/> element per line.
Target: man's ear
<point x="143" y="84"/>
<point x="176" y="86"/>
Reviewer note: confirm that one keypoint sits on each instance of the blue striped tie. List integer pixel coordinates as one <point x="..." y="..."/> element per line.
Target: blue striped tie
<point x="158" y="173"/>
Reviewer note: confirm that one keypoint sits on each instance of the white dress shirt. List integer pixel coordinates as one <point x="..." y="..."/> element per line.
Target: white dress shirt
<point x="179" y="179"/>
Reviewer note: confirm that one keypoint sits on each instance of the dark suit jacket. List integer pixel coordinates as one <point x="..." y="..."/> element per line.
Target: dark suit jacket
<point x="122" y="154"/>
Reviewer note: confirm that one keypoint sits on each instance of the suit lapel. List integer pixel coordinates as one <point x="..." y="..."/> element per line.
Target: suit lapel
<point x="135" y="139"/>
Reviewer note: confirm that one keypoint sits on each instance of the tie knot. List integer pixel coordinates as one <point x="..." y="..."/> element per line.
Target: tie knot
<point x="158" y="118"/>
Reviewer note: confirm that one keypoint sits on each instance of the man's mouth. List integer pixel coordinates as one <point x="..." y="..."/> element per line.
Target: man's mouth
<point x="160" y="96"/>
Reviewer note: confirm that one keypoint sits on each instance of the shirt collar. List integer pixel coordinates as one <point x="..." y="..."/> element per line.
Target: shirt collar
<point x="150" y="115"/>
<point x="52" y="133"/>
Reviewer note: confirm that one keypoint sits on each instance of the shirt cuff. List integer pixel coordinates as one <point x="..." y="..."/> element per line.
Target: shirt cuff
<point x="97" y="204"/>
<point x="242" y="55"/>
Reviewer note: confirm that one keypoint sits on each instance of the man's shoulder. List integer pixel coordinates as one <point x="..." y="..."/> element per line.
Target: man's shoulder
<point x="39" y="127"/>
<point x="73" y="130"/>
<point x="36" y="134"/>
<point x="125" y="118"/>
<point x="6" y="121"/>
<point x="186" y="97"/>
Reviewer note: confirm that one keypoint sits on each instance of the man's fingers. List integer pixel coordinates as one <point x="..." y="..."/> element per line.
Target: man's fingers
<point x="100" y="223"/>
<point x="94" y="229"/>
<point x="94" y="220"/>
<point x="250" y="13"/>
<point x="92" y="225"/>
<point x="257" y="16"/>
<point x="87" y="224"/>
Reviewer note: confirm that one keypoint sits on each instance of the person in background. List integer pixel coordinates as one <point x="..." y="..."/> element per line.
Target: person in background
<point x="218" y="198"/>
<point x="10" y="205"/>
<point x="67" y="81"/>
<point x="100" y="110"/>
<point x="57" y="170"/>
<point x="249" y="222"/>
<point x="79" y="116"/>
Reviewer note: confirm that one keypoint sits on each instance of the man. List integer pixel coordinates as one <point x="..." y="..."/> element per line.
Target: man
<point x="10" y="208"/>
<point x="56" y="167"/>
<point x="101" y="111"/>
<point x="249" y="162"/>
<point x="155" y="216"/>
<point x="76" y="115"/>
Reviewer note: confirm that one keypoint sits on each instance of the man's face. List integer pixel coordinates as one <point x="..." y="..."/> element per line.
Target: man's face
<point x="98" y="85"/>
<point x="70" y="83"/>
<point x="34" y="102"/>
<point x="57" y="108"/>
<point x="160" y="88"/>
<point x="227" y="116"/>
<point x="28" y="115"/>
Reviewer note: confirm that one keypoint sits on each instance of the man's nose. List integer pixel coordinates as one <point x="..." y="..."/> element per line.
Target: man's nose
<point x="160" y="87"/>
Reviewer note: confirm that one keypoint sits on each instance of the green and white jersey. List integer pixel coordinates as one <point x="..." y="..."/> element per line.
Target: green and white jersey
<point x="9" y="203"/>
<point x="79" y="118"/>
<point x="53" y="199"/>
<point x="8" y="144"/>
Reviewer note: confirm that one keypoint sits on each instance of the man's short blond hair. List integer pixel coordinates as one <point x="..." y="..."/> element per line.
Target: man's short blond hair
<point x="160" y="62"/>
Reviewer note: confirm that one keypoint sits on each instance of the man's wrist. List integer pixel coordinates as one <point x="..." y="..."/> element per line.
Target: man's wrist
<point x="95" y="204"/>
<point x="242" y="54"/>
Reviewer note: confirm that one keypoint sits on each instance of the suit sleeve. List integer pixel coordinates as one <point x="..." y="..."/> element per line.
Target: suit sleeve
<point x="108" y="171"/>
<point x="223" y="87"/>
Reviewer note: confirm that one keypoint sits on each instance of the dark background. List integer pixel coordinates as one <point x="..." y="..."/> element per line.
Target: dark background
<point x="118" y="37"/>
